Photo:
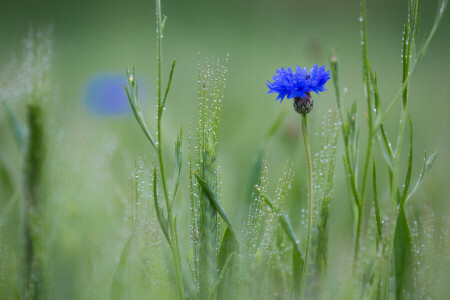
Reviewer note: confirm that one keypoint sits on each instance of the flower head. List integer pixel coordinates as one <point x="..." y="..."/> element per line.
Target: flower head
<point x="299" y="84"/>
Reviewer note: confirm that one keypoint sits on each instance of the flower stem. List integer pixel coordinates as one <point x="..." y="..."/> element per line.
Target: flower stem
<point x="310" y="201"/>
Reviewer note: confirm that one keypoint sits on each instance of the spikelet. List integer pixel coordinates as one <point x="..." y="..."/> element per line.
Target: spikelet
<point x="205" y="222"/>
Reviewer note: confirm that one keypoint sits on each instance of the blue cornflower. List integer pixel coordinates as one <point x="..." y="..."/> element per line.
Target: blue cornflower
<point x="298" y="85"/>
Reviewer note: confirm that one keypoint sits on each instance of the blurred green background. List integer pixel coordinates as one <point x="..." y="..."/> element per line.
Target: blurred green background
<point x="103" y="37"/>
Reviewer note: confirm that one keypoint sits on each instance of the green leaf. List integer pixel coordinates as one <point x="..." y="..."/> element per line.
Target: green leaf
<point x="218" y="282"/>
<point x="159" y="212"/>
<point x="168" y="85"/>
<point x="133" y="100"/>
<point x="117" y="282"/>
<point x="408" y="173"/>
<point x="375" y="201"/>
<point x="6" y="179"/>
<point x="402" y="254"/>
<point x="138" y="116"/>
<point x="385" y="147"/>
<point x="177" y="165"/>
<point x="215" y="202"/>
<point x="297" y="267"/>
<point x="163" y="23"/>
<point x="428" y="163"/>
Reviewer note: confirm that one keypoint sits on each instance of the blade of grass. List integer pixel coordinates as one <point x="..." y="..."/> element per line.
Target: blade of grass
<point x="428" y="163"/>
<point x="159" y="212"/>
<point x="375" y="201"/>
<point x="168" y="84"/>
<point x="219" y="279"/>
<point x="117" y="282"/>
<point x="178" y="160"/>
<point x="408" y="173"/>
<point x="215" y="202"/>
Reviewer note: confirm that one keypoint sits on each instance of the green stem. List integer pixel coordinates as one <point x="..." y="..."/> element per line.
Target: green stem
<point x="358" y="235"/>
<point x="172" y="226"/>
<point x="310" y="201"/>
<point x="34" y="159"/>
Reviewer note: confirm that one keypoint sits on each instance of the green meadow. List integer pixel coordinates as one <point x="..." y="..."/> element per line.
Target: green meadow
<point x="142" y="158"/>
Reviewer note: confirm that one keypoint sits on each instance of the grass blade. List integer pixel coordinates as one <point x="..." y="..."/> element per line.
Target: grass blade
<point x="220" y="277"/>
<point x="159" y="212"/>
<point x="168" y="84"/>
<point x="428" y="163"/>
<point x="375" y="201"/>
<point x="117" y="282"/>
<point x="408" y="173"/>
<point x="215" y="202"/>
<point x="178" y="160"/>
<point x="138" y="116"/>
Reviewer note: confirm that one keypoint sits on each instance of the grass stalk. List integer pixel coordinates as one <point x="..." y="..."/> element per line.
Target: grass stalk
<point x="34" y="158"/>
<point x="310" y="202"/>
<point x="172" y="226"/>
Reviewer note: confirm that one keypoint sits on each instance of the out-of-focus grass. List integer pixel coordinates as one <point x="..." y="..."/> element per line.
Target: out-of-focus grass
<point x="104" y="36"/>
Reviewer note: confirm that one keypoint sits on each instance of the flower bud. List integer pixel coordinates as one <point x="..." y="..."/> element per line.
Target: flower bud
<point x="303" y="105"/>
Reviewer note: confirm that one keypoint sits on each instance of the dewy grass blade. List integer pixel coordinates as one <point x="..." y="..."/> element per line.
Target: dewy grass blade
<point x="215" y="202"/>
<point x="285" y="224"/>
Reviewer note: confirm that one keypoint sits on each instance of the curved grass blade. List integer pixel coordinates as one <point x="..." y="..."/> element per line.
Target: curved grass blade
<point x="215" y="202"/>
<point x="427" y="164"/>
<point x="139" y="118"/>
<point x="228" y="247"/>
<point x="159" y="212"/>
<point x="385" y="147"/>
<point x="169" y="83"/>
<point x="221" y="275"/>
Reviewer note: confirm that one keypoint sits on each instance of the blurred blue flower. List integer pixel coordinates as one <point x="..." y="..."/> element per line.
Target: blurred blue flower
<point x="298" y="84"/>
<point x="105" y="94"/>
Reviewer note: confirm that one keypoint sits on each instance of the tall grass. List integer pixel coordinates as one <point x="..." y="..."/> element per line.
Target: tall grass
<point x="396" y="247"/>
